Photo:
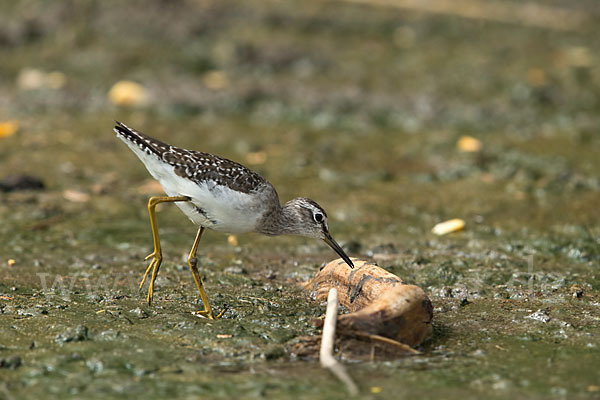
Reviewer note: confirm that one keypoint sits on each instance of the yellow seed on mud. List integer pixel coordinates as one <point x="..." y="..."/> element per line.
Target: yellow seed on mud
<point x="536" y="77"/>
<point x="215" y="80"/>
<point x="30" y="78"/>
<point x="128" y="93"/>
<point x="8" y="128"/>
<point x="469" y="144"/>
<point x="56" y="80"/>
<point x="449" y="226"/>
<point x="34" y="79"/>
<point x="256" y="158"/>
<point x="11" y="262"/>
<point x="150" y="186"/>
<point x="376" y="389"/>
<point x="232" y="240"/>
<point x="76" y="196"/>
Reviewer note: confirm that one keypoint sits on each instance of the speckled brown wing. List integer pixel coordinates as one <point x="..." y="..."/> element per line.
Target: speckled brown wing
<point x="196" y="166"/>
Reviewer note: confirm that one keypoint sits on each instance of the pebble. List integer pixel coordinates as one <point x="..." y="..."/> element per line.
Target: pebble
<point x="540" y="315"/>
<point x="12" y="362"/>
<point x="77" y="334"/>
<point x="13" y="183"/>
<point x="235" y="270"/>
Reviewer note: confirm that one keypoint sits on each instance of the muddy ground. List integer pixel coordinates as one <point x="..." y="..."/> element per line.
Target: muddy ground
<point x="358" y="106"/>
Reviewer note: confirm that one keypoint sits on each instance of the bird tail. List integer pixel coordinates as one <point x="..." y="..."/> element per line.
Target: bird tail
<point x="144" y="142"/>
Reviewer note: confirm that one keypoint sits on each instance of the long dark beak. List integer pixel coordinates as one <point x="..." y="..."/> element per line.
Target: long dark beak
<point x="333" y="244"/>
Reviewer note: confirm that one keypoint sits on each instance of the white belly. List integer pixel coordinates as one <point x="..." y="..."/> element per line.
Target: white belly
<point x="218" y="207"/>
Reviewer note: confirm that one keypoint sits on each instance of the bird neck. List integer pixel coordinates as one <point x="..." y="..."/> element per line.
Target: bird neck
<point x="282" y="220"/>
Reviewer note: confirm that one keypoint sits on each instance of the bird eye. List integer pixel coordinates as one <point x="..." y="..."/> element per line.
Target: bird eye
<point x="318" y="217"/>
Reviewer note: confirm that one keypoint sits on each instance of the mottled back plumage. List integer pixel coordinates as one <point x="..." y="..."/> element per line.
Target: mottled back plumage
<point x="197" y="166"/>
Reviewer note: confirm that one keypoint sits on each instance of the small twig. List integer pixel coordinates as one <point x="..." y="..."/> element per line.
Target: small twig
<point x="326" y="355"/>
<point x="385" y="340"/>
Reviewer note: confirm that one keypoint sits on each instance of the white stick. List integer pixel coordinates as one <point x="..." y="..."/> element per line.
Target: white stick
<point x="328" y="340"/>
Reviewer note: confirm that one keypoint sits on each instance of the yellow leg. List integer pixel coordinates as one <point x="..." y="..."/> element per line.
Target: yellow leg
<point x="192" y="260"/>
<point x="156" y="255"/>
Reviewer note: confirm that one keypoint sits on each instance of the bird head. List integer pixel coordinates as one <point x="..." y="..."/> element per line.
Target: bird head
<point x="310" y="220"/>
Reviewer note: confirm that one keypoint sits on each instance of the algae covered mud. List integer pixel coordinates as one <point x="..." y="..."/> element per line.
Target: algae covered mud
<point x="393" y="119"/>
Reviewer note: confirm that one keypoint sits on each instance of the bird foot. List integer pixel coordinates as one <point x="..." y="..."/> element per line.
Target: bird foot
<point x="208" y="314"/>
<point x="154" y="266"/>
